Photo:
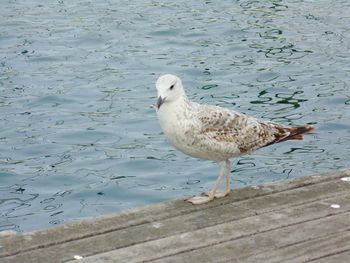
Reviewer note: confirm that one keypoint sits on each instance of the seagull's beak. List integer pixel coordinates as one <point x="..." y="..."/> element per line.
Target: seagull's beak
<point x="160" y="101"/>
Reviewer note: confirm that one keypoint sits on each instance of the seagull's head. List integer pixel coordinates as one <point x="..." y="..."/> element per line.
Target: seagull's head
<point x="169" y="89"/>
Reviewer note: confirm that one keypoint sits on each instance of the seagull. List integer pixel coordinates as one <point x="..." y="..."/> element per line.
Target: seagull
<point x="214" y="133"/>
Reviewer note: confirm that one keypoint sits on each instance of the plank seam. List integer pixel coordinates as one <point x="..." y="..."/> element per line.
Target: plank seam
<point x="328" y="255"/>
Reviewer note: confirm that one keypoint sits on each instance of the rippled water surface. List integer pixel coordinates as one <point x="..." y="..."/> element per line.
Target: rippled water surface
<point x="78" y="131"/>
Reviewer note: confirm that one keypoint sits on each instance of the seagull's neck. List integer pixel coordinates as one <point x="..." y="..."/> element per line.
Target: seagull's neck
<point x="172" y="112"/>
<point x="182" y="104"/>
<point x="185" y="101"/>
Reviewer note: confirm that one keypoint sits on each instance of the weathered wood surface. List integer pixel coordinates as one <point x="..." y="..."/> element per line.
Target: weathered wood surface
<point x="291" y="221"/>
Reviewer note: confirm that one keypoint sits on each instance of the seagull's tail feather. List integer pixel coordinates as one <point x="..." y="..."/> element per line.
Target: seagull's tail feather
<point x="292" y="133"/>
<point x="284" y="133"/>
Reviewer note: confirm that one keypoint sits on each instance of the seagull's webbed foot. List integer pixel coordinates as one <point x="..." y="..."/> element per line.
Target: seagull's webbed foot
<point x="218" y="194"/>
<point x="207" y="197"/>
<point x="198" y="200"/>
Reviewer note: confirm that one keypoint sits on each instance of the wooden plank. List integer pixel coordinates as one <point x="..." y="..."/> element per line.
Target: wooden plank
<point x="270" y="245"/>
<point x="148" y="214"/>
<point x="239" y="238"/>
<point x="174" y="218"/>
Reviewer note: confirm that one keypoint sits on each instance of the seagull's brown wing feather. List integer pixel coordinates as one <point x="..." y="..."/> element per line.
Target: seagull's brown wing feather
<point x="222" y="126"/>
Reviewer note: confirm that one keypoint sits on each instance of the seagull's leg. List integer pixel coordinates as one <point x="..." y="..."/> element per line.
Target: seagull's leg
<point x="219" y="194"/>
<point x="196" y="200"/>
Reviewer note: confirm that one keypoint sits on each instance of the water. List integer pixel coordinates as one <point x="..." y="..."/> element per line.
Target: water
<point x="78" y="131"/>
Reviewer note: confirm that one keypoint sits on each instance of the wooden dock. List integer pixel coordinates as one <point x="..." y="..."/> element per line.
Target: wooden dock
<point x="303" y="220"/>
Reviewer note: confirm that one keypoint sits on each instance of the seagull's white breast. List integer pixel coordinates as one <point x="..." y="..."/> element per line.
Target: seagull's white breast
<point x="176" y="126"/>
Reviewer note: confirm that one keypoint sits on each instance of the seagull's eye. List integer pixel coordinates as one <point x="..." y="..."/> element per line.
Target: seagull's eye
<point x="171" y="87"/>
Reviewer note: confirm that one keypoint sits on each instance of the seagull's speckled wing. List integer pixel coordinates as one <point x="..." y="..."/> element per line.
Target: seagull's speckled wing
<point x="236" y="133"/>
